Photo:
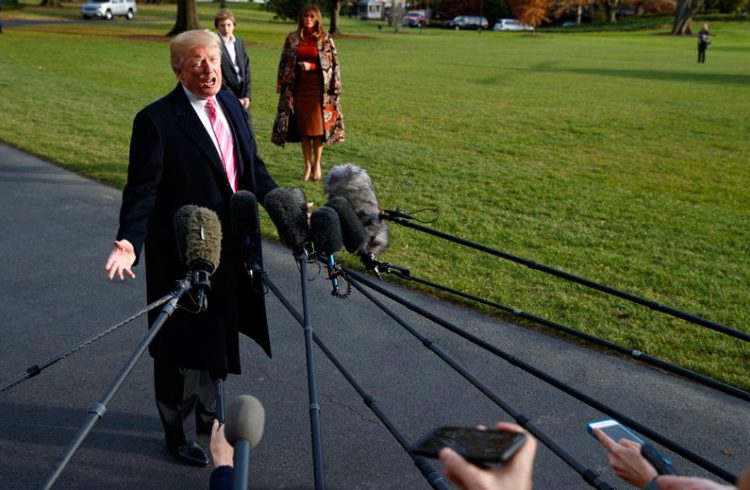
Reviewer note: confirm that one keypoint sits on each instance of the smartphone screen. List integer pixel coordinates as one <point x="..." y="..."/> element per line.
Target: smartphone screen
<point x="614" y="430"/>
<point x="476" y="446"/>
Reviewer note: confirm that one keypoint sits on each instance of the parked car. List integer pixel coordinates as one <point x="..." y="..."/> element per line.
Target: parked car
<point x="511" y="25"/>
<point x="467" y="22"/>
<point x="107" y="9"/>
<point x="415" y="18"/>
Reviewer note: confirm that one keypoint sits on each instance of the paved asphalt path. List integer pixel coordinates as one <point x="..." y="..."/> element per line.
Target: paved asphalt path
<point x="57" y="229"/>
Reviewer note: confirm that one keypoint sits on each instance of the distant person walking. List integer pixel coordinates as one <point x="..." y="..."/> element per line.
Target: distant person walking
<point x="309" y="85"/>
<point x="703" y="42"/>
<point x="235" y="64"/>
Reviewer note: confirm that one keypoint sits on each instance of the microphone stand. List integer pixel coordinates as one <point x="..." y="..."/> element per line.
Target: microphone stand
<point x="355" y="277"/>
<point x="97" y="411"/>
<point x="37" y="369"/>
<point x="403" y="219"/>
<point x="312" y="388"/>
<point x="589" y="475"/>
<point x="434" y="478"/>
<point x="405" y="274"/>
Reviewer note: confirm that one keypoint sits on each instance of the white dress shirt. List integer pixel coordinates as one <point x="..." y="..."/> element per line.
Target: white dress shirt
<point x="199" y="105"/>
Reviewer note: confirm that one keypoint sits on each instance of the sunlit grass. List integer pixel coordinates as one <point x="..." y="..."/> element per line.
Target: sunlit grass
<point x="613" y="156"/>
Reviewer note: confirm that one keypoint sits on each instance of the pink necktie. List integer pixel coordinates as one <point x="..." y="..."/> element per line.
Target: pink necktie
<point x="224" y="138"/>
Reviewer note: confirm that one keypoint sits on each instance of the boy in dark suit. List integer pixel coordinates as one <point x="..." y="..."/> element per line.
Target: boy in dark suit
<point x="235" y="64"/>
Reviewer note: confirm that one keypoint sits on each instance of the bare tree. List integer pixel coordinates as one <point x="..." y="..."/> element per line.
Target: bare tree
<point x="683" y="16"/>
<point x="611" y="7"/>
<point x="397" y="15"/>
<point x="335" y="7"/>
<point x="187" y="17"/>
<point x="562" y="7"/>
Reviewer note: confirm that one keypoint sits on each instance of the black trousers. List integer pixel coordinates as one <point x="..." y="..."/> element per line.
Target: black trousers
<point x="701" y="54"/>
<point x="186" y="400"/>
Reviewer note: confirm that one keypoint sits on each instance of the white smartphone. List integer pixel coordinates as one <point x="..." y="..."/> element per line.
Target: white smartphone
<point x="617" y="432"/>
<point x="614" y="429"/>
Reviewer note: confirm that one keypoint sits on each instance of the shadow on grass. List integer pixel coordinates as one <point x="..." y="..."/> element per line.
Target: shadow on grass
<point x="669" y="76"/>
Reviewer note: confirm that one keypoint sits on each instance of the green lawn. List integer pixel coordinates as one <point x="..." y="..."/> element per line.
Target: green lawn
<point x="613" y="156"/>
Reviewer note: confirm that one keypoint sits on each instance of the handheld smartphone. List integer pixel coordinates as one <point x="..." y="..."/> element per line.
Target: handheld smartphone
<point x="614" y="429"/>
<point x="617" y="432"/>
<point x="476" y="446"/>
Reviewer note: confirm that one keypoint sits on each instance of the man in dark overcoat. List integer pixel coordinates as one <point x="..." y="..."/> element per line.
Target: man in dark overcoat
<point x="177" y="157"/>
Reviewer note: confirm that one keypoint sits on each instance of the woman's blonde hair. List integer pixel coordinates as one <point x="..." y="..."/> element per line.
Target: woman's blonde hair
<point x="319" y="31"/>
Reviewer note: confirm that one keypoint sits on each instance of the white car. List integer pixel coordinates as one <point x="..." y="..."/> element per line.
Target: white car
<point x="107" y="9"/>
<point x="511" y="25"/>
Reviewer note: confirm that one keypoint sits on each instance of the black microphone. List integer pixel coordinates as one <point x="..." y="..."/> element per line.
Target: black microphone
<point x="198" y="232"/>
<point x="325" y="232"/>
<point x="288" y="210"/>
<point x="245" y="225"/>
<point x="244" y="430"/>
<point x="354" y="184"/>
<point x="352" y="230"/>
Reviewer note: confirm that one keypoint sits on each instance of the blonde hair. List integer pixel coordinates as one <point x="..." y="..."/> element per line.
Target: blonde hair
<point x="319" y="31"/>
<point x="185" y="41"/>
<point x="224" y="14"/>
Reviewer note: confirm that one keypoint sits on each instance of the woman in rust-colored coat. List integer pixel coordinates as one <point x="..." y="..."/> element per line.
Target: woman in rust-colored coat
<point x="309" y="85"/>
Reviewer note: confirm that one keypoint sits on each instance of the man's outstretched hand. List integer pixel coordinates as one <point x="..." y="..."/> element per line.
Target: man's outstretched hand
<point x="120" y="260"/>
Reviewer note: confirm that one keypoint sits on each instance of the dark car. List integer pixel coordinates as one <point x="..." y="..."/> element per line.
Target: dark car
<point x="467" y="22"/>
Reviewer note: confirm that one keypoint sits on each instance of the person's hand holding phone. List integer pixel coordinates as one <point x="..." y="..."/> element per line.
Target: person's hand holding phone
<point x="515" y="474"/>
<point x="625" y="458"/>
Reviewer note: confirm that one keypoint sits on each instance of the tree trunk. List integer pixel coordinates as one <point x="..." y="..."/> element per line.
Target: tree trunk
<point x="579" y="14"/>
<point x="51" y="3"/>
<point x="397" y="15"/>
<point x="611" y="7"/>
<point x="335" y="8"/>
<point x="187" y="17"/>
<point x="683" y="16"/>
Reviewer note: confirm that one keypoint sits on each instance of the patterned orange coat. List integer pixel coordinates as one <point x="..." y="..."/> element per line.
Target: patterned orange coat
<point x="333" y="118"/>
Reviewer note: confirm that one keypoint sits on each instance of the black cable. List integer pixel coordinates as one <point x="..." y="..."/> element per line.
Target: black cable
<point x="38" y="368"/>
<point x="636" y="354"/>
<point x="433" y="477"/>
<point x="588" y="475"/>
<point x="624" y="419"/>
<point x="689" y="317"/>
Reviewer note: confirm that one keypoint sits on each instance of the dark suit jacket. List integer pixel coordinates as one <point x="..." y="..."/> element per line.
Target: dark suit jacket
<point x="229" y="76"/>
<point x="173" y="162"/>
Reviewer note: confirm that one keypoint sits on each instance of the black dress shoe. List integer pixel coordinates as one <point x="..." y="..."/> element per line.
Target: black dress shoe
<point x="191" y="454"/>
